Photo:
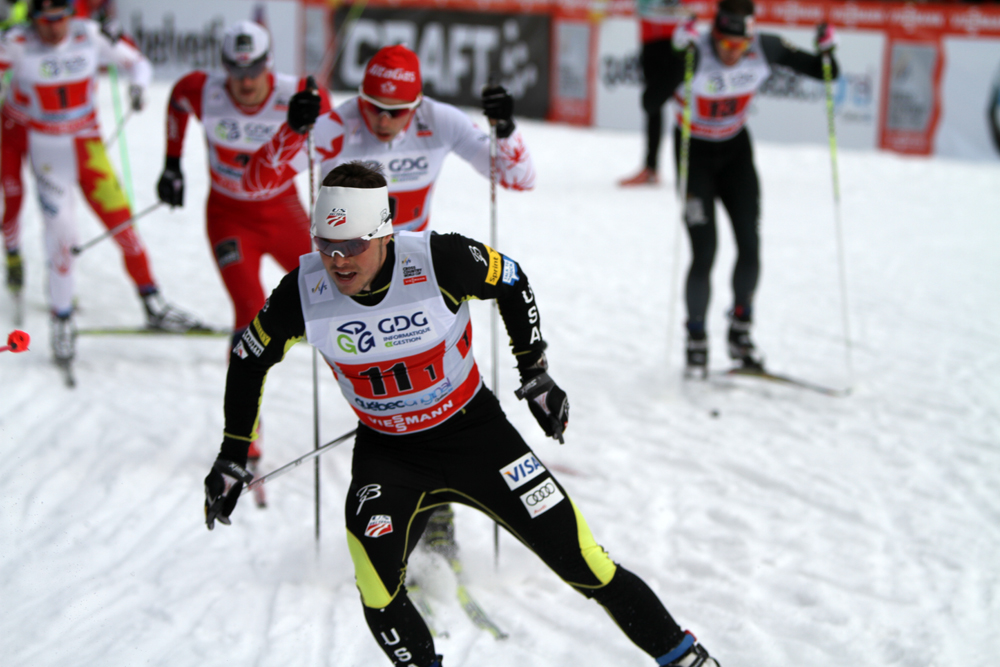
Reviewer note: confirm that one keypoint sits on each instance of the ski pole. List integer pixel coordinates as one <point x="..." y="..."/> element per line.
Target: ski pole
<point x="832" y="131"/>
<point x="110" y="141"/>
<point x="495" y="310"/>
<point x="682" y="184"/>
<point x="311" y="149"/>
<point x="117" y="229"/>
<point x="123" y="148"/>
<point x="314" y="454"/>
<point x="334" y="50"/>
<point x="17" y="341"/>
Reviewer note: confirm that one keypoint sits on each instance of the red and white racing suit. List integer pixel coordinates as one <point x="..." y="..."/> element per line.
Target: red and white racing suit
<point x="411" y="162"/>
<point x="242" y="225"/>
<point x="52" y="96"/>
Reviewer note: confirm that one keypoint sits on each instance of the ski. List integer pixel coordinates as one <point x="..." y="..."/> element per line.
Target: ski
<point x="469" y="605"/>
<point x="472" y="608"/>
<point x="151" y="331"/>
<point x="426" y="611"/>
<point x="779" y="378"/>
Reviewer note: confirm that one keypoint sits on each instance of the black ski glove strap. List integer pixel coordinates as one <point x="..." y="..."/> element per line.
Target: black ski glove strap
<point x="303" y="108"/>
<point x="170" y="188"/>
<point x="548" y="403"/>
<point x="498" y="105"/>
<point x="223" y="487"/>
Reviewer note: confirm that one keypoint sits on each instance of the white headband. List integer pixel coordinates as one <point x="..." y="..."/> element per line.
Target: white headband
<point x="349" y="213"/>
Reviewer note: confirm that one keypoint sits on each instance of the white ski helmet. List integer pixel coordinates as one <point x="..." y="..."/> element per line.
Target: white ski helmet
<point x="246" y="49"/>
<point x="352" y="216"/>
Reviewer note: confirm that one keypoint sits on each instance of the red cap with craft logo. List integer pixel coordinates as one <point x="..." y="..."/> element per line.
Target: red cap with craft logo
<point x="394" y="73"/>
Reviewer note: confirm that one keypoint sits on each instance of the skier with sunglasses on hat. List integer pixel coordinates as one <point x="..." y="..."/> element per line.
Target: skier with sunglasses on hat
<point x="240" y="108"/>
<point x="392" y="123"/>
<point x="389" y="313"/>
<point x="731" y="62"/>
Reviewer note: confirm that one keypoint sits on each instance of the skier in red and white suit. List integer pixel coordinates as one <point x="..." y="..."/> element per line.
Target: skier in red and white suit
<point x="14" y="147"/>
<point x="240" y="110"/>
<point x="393" y="124"/>
<point x="54" y="63"/>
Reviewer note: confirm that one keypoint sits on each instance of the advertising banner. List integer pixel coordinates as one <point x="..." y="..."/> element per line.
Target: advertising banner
<point x="789" y="107"/>
<point x="969" y="126"/>
<point x="182" y="35"/>
<point x="619" y="76"/>
<point x="459" y="51"/>
<point x="792" y="108"/>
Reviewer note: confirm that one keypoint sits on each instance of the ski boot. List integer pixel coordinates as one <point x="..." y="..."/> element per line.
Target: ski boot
<point x="741" y="347"/>
<point x="689" y="653"/>
<point x="64" y="345"/>
<point x="15" y="271"/>
<point x="439" y="536"/>
<point x="697" y="355"/>
<point x="63" y="338"/>
<point x="166" y="317"/>
<point x="646" y="176"/>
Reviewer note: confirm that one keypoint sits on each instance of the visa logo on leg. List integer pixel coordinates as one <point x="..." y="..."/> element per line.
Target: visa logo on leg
<point x="522" y="471"/>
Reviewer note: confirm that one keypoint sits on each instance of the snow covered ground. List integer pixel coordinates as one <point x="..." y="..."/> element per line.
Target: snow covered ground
<point x="790" y="529"/>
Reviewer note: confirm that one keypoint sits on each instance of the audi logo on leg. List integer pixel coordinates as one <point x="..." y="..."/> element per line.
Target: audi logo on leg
<point x="541" y="494"/>
<point x="542" y="498"/>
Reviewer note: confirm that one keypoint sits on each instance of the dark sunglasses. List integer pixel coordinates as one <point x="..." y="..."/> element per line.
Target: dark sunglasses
<point x="350" y="247"/>
<point x="251" y="71"/>
<point x="393" y="110"/>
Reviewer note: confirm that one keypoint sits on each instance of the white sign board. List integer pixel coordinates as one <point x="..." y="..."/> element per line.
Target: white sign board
<point x="182" y="35"/>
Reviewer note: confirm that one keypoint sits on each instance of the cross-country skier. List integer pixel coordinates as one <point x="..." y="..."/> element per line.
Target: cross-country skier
<point x="657" y="21"/>
<point x="389" y="313"/>
<point x="240" y="110"/>
<point x="393" y="124"/>
<point x="54" y="63"/>
<point x="14" y="143"/>
<point x="731" y="62"/>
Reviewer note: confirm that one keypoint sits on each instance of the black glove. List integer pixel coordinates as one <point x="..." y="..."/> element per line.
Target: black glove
<point x="826" y="38"/>
<point x="547" y="402"/>
<point x="136" y="97"/>
<point x="498" y="105"/>
<point x="223" y="486"/>
<point x="303" y="108"/>
<point x="170" y="187"/>
<point x="112" y="29"/>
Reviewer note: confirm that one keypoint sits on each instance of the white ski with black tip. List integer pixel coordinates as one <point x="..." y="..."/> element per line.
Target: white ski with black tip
<point x="778" y="378"/>
<point x="151" y="331"/>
